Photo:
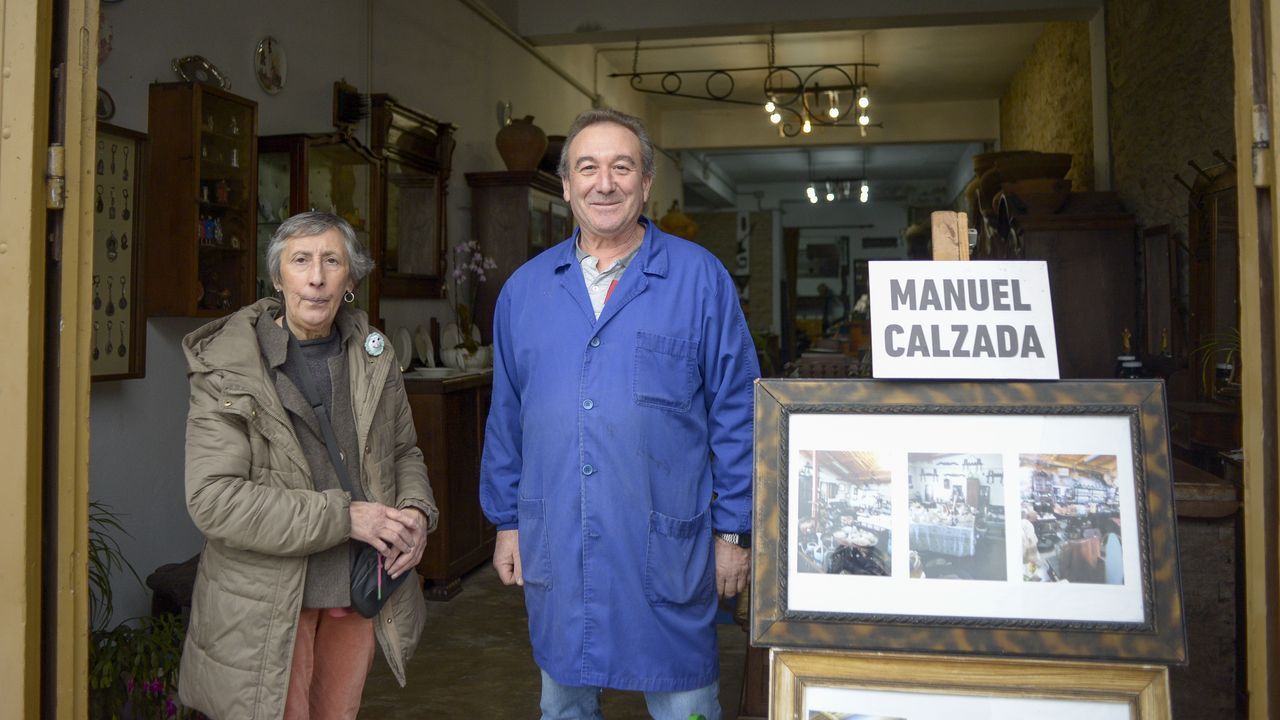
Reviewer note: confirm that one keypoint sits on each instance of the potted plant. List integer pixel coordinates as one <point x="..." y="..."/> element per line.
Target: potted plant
<point x="1219" y="363"/>
<point x="460" y="346"/>
<point x="133" y="666"/>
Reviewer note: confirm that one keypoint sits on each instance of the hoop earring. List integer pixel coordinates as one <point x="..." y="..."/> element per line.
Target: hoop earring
<point x="349" y="297"/>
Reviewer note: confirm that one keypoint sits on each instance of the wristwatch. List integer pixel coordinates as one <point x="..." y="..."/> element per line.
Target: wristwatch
<point x="742" y="540"/>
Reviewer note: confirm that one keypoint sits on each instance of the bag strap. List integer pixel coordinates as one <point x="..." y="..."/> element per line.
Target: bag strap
<point x="322" y="414"/>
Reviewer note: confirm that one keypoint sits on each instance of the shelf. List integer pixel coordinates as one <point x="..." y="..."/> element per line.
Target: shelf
<point x="221" y="135"/>
<point x="221" y="249"/>
<point x="238" y="207"/>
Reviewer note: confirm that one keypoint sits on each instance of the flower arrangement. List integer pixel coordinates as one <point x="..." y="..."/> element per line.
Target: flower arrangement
<point x="470" y="266"/>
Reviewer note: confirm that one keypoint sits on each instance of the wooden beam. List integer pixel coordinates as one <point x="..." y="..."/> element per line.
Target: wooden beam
<point x="1257" y="95"/>
<point x="950" y="235"/>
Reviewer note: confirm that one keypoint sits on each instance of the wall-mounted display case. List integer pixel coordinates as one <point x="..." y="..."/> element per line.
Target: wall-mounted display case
<point x="201" y="190"/>
<point x="514" y="215"/>
<point x="418" y="152"/>
<point x="119" y="327"/>
<point x="333" y="173"/>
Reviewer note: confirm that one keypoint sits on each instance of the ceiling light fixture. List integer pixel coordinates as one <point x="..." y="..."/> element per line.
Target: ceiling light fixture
<point x="792" y="95"/>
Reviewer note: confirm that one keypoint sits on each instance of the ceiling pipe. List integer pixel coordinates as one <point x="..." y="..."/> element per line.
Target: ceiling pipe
<point x="488" y="16"/>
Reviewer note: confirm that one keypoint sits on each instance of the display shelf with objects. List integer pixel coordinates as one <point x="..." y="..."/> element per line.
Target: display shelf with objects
<point x="332" y="173"/>
<point x="118" y="329"/>
<point x="514" y="216"/>
<point x="418" y="153"/>
<point x="202" y="189"/>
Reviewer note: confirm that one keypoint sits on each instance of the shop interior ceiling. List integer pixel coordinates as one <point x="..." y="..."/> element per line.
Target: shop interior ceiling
<point x="916" y="65"/>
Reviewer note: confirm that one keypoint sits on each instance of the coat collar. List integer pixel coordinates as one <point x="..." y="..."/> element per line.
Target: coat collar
<point x="650" y="260"/>
<point x="651" y="257"/>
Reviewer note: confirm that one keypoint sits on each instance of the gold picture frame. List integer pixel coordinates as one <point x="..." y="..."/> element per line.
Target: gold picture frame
<point x="848" y="686"/>
<point x="909" y="582"/>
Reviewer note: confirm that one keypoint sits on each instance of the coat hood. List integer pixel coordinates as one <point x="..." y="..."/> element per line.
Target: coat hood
<point x="220" y="345"/>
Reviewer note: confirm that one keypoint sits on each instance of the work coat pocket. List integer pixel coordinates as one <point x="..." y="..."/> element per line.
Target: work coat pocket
<point x="665" y="372"/>
<point x="678" y="560"/>
<point x="535" y="554"/>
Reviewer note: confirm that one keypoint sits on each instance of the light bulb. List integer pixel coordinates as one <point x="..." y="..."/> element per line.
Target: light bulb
<point x="864" y="120"/>
<point x="807" y="127"/>
<point x="770" y="107"/>
<point x="813" y="199"/>
<point x="834" y="112"/>
<point x="831" y="197"/>
<point x="864" y="102"/>
<point x="775" y="118"/>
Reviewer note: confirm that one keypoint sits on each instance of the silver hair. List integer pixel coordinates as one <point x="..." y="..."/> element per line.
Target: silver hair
<point x="608" y="115"/>
<point x="310" y="224"/>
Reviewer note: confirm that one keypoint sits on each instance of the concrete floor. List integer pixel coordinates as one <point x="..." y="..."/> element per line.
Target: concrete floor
<point x="474" y="661"/>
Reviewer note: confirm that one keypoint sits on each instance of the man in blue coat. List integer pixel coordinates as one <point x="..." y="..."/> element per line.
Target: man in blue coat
<point x="617" y="459"/>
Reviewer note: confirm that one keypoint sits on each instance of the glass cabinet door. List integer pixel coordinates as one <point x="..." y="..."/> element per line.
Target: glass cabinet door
<point x="413" y="243"/>
<point x="274" y="190"/>
<point x="340" y="181"/>
<point x="329" y="173"/>
<point x="226" y="196"/>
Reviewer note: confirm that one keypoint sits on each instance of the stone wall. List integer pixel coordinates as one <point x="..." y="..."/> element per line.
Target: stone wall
<point x="1169" y="70"/>
<point x="1048" y="105"/>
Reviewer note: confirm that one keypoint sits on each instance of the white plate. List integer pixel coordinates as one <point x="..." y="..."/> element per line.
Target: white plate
<point x="404" y="349"/>
<point x="422" y="344"/>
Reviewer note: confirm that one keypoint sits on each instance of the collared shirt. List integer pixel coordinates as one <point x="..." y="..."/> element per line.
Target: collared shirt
<point x="600" y="282"/>
<point x="606" y="440"/>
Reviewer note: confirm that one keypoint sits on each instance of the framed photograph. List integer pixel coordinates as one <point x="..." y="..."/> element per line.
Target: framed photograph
<point x="1031" y="519"/>
<point x="872" y="686"/>
<point x="119" y="332"/>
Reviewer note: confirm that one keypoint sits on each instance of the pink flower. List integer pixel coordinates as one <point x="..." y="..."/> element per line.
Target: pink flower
<point x="170" y="707"/>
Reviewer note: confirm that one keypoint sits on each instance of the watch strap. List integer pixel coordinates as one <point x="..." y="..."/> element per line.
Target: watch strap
<point x="742" y="540"/>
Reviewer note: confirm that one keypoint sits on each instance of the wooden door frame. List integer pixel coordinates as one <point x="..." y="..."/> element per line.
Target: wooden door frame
<point x="44" y="371"/>
<point x="1254" y="37"/>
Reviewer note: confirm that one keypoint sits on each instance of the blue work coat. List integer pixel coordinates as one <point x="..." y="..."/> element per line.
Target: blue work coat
<point x="605" y="443"/>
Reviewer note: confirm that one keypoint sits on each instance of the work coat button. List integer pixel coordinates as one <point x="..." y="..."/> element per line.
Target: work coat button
<point x="587" y="404"/>
<point x="587" y="469"/>
<point x="595" y="342"/>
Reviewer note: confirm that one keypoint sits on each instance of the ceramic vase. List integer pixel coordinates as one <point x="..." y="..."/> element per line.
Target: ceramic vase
<point x="521" y="144"/>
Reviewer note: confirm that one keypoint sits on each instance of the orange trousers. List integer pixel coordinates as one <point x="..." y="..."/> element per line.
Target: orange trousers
<point x="331" y="659"/>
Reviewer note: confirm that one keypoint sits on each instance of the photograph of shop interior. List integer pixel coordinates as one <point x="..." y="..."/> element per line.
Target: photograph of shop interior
<point x="1071" y="519"/>
<point x="957" y="514"/>
<point x="845" y="515"/>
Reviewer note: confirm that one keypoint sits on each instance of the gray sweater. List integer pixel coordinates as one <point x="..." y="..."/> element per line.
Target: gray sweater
<point x="328" y="582"/>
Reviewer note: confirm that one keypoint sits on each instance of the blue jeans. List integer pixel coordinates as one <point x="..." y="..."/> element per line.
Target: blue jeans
<point x="569" y="702"/>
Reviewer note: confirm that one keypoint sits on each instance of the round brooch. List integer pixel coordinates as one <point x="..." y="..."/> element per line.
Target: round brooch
<point x="375" y="344"/>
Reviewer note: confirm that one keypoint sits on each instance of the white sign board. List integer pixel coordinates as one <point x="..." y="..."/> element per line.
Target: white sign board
<point x="962" y="320"/>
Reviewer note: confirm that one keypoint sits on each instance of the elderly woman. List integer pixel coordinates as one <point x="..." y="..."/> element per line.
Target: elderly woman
<point x="271" y="632"/>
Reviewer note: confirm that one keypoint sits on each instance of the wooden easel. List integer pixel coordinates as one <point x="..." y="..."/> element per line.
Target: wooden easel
<point x="950" y="235"/>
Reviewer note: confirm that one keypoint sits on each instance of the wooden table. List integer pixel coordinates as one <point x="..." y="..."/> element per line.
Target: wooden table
<point x="450" y="408"/>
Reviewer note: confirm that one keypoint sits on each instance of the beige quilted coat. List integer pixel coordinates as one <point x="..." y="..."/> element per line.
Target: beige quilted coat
<point x="249" y="491"/>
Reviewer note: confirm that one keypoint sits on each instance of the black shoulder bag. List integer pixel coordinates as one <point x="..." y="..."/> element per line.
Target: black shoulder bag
<point x="371" y="585"/>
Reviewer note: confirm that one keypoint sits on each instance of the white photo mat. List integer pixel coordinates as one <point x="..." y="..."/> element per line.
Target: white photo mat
<point x="893" y="438"/>
<point x="822" y="702"/>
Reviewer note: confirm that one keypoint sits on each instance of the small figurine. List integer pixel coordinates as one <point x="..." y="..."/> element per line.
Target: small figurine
<point x="1126" y="345"/>
<point x="1164" y="343"/>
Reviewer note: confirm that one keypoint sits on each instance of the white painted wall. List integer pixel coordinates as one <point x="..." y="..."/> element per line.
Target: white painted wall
<point x="435" y="55"/>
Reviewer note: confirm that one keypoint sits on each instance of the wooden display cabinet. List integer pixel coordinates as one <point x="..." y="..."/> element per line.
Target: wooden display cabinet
<point x="1090" y="250"/>
<point x="514" y="215"/>
<point x="450" y="414"/>
<point x="333" y="173"/>
<point x="201" y="189"/>
<point x="418" y="152"/>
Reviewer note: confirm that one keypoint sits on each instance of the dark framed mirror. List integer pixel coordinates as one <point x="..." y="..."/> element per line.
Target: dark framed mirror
<point x="418" y="151"/>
